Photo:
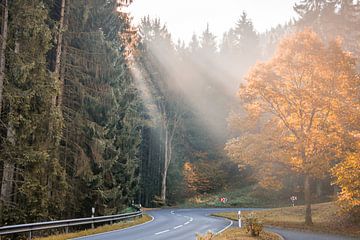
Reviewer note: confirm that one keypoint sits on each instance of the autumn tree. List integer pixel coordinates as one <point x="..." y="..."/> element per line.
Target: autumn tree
<point x="348" y="178"/>
<point x="203" y="176"/>
<point x="346" y="172"/>
<point x="291" y="103"/>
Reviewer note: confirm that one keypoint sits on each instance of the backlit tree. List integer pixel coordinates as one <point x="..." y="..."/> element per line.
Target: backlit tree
<point x="292" y="103"/>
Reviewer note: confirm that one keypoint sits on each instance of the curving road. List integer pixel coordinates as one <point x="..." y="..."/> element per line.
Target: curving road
<point x="183" y="224"/>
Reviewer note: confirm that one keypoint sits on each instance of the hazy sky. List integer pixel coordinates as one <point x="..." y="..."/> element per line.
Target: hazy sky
<point x="184" y="17"/>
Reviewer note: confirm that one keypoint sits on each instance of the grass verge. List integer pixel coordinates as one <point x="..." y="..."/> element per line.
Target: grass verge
<point x="106" y="228"/>
<point x="326" y="219"/>
<point x="238" y="198"/>
<point x="240" y="234"/>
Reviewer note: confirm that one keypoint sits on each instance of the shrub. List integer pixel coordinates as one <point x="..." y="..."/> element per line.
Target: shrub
<point x="253" y="225"/>
<point x="208" y="236"/>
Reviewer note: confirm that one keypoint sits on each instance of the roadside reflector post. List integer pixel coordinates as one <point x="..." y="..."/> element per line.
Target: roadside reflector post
<point x="239" y="217"/>
<point x="92" y="215"/>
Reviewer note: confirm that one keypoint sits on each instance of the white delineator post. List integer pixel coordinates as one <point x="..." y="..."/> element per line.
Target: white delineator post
<point x="92" y="215"/>
<point x="239" y="217"/>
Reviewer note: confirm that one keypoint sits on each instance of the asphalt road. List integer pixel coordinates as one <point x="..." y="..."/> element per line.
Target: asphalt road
<point x="288" y="234"/>
<point x="184" y="224"/>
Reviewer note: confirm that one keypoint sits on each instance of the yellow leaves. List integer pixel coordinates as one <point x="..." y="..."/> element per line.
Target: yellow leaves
<point x="271" y="182"/>
<point x="203" y="176"/>
<point x="297" y="164"/>
<point x="188" y="167"/>
<point x="348" y="178"/>
<point x="299" y="108"/>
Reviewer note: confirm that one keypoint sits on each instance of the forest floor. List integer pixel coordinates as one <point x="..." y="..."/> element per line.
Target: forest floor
<point x="239" y="234"/>
<point x="326" y="218"/>
<point x="106" y="228"/>
<point x="236" y="198"/>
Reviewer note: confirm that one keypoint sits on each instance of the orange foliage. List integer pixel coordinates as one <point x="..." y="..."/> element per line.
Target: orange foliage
<point x="298" y="108"/>
<point x="203" y="176"/>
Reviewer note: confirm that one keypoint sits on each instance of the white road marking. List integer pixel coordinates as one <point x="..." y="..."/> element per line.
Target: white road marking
<point x="172" y="212"/>
<point x="186" y="223"/>
<point x="162" y="232"/>
<point x="191" y="219"/>
<point x="178" y="226"/>
<point x="231" y="223"/>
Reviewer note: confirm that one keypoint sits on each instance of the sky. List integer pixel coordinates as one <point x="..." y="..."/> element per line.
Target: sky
<point x="185" y="17"/>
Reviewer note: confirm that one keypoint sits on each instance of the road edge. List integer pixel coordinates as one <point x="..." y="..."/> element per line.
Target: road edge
<point x="277" y="234"/>
<point x="119" y="230"/>
<point x="224" y="229"/>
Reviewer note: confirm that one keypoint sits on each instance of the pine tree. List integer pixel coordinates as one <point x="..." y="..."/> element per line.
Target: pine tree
<point x="331" y="19"/>
<point x="101" y="109"/>
<point x="28" y="160"/>
<point x="208" y="43"/>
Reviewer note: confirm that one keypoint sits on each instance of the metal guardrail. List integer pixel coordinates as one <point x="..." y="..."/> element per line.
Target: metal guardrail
<point x="31" y="227"/>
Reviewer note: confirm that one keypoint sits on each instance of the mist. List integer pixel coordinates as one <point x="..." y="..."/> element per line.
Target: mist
<point x="205" y="73"/>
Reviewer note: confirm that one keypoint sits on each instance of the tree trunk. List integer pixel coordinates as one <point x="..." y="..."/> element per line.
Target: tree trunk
<point x="319" y="189"/>
<point x="8" y="172"/>
<point x="166" y="164"/>
<point x="3" y="48"/>
<point x="169" y="136"/>
<point x="60" y="38"/>
<point x="60" y="54"/>
<point x="307" y="192"/>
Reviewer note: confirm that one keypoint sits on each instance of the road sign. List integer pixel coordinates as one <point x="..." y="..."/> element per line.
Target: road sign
<point x="223" y="200"/>
<point x="293" y="199"/>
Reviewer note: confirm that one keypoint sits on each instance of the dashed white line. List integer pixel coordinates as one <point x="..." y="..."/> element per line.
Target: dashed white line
<point x="162" y="232"/>
<point x="178" y="226"/>
<point x="172" y="212"/>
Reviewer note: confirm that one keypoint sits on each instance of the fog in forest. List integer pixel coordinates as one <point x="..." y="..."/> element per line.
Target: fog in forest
<point x="205" y="73"/>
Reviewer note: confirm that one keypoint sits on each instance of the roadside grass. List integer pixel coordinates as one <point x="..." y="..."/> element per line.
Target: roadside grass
<point x="239" y="234"/>
<point x="326" y="219"/>
<point x="106" y="228"/>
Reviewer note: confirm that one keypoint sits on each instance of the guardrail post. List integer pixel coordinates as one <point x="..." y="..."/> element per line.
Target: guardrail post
<point x="67" y="229"/>
<point x="29" y="236"/>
